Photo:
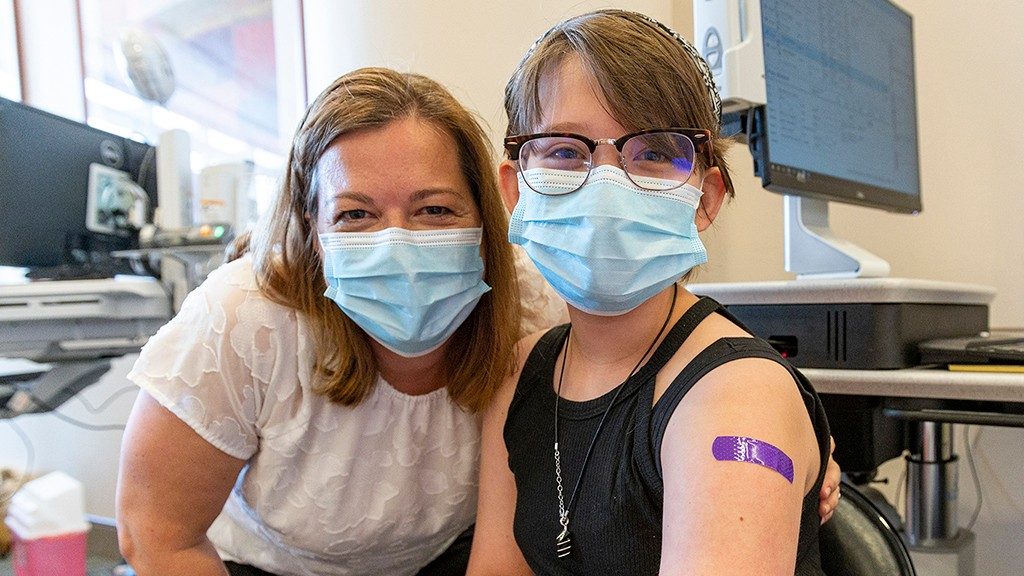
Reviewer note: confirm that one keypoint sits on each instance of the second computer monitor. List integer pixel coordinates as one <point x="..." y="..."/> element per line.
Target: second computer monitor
<point x="44" y="181"/>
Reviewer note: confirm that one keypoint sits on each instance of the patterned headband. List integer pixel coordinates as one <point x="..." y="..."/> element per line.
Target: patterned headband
<point x="702" y="65"/>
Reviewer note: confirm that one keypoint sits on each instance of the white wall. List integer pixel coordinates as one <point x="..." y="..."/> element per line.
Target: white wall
<point x="52" y="69"/>
<point x="972" y="143"/>
<point x="469" y="46"/>
<point x="87" y="455"/>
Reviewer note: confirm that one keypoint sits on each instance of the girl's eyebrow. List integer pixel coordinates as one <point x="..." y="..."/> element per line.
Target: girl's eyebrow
<point x="563" y="127"/>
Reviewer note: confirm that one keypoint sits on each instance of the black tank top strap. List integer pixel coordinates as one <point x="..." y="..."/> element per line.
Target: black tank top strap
<point x="549" y="345"/>
<point x="677" y="335"/>
<point x="540" y="364"/>
<point x="720" y="352"/>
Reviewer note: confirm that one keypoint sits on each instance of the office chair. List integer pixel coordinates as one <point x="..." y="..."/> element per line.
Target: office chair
<point x="860" y="541"/>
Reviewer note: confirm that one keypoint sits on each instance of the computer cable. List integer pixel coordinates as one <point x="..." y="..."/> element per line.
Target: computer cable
<point x="74" y="422"/>
<point x="144" y="166"/>
<point x="969" y="452"/>
<point x="994" y="482"/>
<point x="106" y="403"/>
<point x="901" y="506"/>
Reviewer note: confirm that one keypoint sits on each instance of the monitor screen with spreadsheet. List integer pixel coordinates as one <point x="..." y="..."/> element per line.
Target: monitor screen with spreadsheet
<point x="841" y="115"/>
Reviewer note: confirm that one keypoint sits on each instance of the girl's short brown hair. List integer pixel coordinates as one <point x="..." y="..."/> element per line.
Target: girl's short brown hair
<point x="646" y="75"/>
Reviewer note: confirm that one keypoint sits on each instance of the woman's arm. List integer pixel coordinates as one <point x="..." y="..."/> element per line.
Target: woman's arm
<point x="729" y="517"/>
<point x="171" y="486"/>
<point x="494" y="548"/>
<point x="829" y="496"/>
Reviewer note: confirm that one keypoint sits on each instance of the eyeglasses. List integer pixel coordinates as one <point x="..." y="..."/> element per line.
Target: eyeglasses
<point x="657" y="159"/>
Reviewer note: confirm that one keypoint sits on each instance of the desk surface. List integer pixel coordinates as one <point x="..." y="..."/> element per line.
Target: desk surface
<point x="934" y="383"/>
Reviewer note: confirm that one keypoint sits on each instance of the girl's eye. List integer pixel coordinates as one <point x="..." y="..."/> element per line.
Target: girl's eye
<point x="652" y="156"/>
<point x="565" y="153"/>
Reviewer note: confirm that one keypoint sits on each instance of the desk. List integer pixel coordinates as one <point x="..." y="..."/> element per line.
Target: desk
<point x="932" y="399"/>
<point x="182" y="268"/>
<point x="932" y="394"/>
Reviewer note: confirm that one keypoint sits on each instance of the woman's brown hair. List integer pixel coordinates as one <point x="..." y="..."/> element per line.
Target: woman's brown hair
<point x="289" y="270"/>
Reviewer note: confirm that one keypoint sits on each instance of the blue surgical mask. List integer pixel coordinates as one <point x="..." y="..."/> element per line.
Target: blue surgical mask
<point x="609" y="246"/>
<point x="409" y="290"/>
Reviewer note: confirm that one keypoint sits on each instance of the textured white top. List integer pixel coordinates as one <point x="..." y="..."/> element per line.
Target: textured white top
<point x="378" y="488"/>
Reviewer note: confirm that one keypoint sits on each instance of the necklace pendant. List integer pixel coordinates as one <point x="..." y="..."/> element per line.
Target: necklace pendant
<point x="563" y="544"/>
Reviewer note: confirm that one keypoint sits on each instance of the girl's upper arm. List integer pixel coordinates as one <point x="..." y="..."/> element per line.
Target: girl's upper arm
<point x="724" y="515"/>
<point x="494" y="549"/>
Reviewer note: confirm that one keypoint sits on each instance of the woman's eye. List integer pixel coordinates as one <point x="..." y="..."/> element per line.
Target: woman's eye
<point x="436" y="211"/>
<point x="351" y="215"/>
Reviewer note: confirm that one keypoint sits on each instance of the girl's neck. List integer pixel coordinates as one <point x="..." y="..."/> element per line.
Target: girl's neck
<point x="413" y="376"/>
<point x="604" y="349"/>
<point x="622" y="338"/>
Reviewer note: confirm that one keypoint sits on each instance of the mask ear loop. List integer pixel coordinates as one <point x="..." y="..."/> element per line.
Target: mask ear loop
<point x="700" y="201"/>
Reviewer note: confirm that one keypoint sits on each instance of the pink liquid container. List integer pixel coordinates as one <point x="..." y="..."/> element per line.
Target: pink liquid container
<point x="48" y="522"/>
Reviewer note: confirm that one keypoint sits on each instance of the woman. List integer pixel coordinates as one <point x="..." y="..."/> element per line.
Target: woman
<point x="338" y="434"/>
<point x="652" y="434"/>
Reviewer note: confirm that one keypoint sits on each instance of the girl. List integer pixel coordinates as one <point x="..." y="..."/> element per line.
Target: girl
<point x="653" y="434"/>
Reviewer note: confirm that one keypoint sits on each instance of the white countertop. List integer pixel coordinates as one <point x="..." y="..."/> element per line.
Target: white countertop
<point x="937" y="383"/>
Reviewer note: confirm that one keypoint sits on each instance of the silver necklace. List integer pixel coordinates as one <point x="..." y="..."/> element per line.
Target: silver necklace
<point x="563" y="542"/>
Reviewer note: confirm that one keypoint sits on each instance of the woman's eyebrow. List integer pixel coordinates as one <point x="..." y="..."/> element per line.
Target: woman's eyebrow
<point x="430" y="192"/>
<point x="352" y="195"/>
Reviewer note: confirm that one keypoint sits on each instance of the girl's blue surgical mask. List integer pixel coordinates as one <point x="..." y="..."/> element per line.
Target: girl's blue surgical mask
<point x="609" y="246"/>
<point x="409" y="290"/>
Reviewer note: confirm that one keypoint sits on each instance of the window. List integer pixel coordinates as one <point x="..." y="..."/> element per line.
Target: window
<point x="210" y="67"/>
<point x="10" y="85"/>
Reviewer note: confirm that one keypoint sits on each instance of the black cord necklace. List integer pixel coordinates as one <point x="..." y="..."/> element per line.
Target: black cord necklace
<point x="563" y="542"/>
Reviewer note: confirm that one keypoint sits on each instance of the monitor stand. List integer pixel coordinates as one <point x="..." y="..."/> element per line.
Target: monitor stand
<point x="812" y="251"/>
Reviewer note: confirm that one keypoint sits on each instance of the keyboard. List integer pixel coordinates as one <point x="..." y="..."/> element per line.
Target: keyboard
<point x="994" y="348"/>
<point x="77" y="271"/>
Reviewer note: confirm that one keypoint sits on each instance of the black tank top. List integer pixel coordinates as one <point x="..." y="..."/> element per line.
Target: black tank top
<point x="616" y="517"/>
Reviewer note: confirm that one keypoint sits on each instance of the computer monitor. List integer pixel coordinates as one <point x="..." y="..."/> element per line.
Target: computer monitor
<point x="44" y="180"/>
<point x="824" y="93"/>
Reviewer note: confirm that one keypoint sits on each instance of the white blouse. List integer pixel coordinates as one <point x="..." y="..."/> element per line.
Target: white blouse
<point x="382" y="487"/>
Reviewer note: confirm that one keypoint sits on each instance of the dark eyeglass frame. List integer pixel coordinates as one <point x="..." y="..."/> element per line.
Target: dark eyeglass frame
<point x="700" y="138"/>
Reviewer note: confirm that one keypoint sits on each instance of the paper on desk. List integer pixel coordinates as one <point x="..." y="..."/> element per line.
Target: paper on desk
<point x="15" y="367"/>
<point x="1009" y="368"/>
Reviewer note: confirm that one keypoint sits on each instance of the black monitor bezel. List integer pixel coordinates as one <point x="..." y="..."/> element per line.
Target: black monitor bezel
<point x="751" y="125"/>
<point x="138" y="159"/>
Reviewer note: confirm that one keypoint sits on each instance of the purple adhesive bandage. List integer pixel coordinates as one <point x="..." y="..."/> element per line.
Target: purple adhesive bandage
<point x="743" y="449"/>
